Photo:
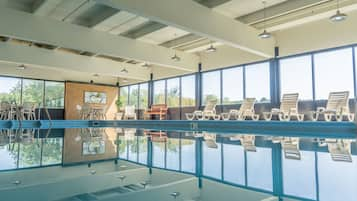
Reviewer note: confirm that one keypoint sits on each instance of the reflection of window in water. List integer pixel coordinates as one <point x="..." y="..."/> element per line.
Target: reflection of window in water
<point x="24" y="148"/>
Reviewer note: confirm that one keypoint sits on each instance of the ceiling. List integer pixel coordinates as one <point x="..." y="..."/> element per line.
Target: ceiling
<point x="158" y="37"/>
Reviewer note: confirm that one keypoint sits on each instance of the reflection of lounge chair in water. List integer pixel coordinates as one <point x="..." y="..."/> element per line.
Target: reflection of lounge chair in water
<point x="340" y="149"/>
<point x="247" y="141"/>
<point x="210" y="140"/>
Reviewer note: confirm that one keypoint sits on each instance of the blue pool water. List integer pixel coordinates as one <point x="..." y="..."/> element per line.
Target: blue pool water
<point x="277" y="166"/>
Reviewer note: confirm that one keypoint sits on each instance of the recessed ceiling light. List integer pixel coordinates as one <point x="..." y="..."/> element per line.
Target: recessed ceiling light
<point x="125" y="80"/>
<point x="124" y="70"/>
<point x="21" y="67"/>
<point x="211" y="49"/>
<point x="338" y="17"/>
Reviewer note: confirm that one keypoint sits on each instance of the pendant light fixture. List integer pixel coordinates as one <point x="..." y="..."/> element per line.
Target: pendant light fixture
<point x="211" y="48"/>
<point x="145" y="65"/>
<point x="124" y="70"/>
<point x="175" y="57"/>
<point x="264" y="34"/>
<point x="338" y="17"/>
<point x="125" y="80"/>
<point x="21" y="67"/>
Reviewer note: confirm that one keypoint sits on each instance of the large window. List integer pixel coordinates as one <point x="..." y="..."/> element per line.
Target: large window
<point x="32" y="91"/>
<point x="211" y="86"/>
<point x="159" y="92"/>
<point x="54" y="94"/>
<point x="143" y="96"/>
<point x="258" y="81"/>
<point x="10" y="90"/>
<point x="188" y="90"/>
<point x="232" y="85"/>
<point x="296" y="76"/>
<point x="173" y="92"/>
<point x="333" y="72"/>
<point x="124" y="95"/>
<point x="40" y="92"/>
<point x="134" y="95"/>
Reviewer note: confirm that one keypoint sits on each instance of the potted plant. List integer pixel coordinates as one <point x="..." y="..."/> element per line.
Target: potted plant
<point x="119" y="114"/>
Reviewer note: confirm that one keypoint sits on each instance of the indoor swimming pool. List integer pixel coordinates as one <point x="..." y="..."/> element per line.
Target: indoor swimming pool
<point x="123" y="163"/>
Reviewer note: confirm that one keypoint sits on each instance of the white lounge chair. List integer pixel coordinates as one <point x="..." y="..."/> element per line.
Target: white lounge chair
<point x="288" y="108"/>
<point x="337" y="106"/>
<point x="209" y="112"/>
<point x="245" y="110"/>
<point x="129" y="112"/>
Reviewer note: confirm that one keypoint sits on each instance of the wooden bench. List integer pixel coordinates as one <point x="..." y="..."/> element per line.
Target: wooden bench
<point x="159" y="109"/>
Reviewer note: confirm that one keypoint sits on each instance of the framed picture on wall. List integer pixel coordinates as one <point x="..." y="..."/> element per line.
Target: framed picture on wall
<point x="95" y="97"/>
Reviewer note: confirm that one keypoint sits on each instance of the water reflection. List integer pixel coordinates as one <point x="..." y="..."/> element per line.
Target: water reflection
<point x="293" y="167"/>
<point x="23" y="148"/>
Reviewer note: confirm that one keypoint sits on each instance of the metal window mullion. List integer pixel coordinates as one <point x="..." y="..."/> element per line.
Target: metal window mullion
<point x="165" y="92"/>
<point x="313" y="80"/>
<point x="221" y="88"/>
<point x="180" y="98"/>
<point x="354" y="72"/>
<point x="41" y="157"/>
<point x="21" y="89"/>
<point x="317" y="177"/>
<point x="44" y="94"/>
<point x="244" y="83"/>
<point x="137" y="149"/>
<point x="165" y="156"/>
<point x="222" y="162"/>
<point x="180" y="153"/>
<point x="245" y="168"/>
<point x="138" y="102"/>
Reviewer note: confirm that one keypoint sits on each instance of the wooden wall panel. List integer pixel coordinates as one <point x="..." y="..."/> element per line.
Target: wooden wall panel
<point x="75" y="96"/>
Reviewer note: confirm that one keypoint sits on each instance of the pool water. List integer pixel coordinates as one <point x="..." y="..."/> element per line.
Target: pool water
<point x="136" y="164"/>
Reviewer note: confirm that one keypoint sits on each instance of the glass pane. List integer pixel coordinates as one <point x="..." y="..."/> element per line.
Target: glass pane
<point x="10" y="90"/>
<point x="30" y="150"/>
<point x="188" y="91"/>
<point x="134" y="95"/>
<point x="143" y="98"/>
<point x="32" y="91"/>
<point x="173" y="92"/>
<point x="211" y="86"/>
<point x="52" y="151"/>
<point x="258" y="82"/>
<point x="173" y="154"/>
<point x="188" y="159"/>
<point x="143" y="149"/>
<point x="124" y="95"/>
<point x="296" y="76"/>
<point x="122" y="147"/>
<point x="304" y="185"/>
<point x="159" y="92"/>
<point x="212" y="161"/>
<point x="333" y="72"/>
<point x="8" y="156"/>
<point x="232" y="85"/>
<point x="158" y="157"/>
<point x="234" y="167"/>
<point x="259" y="169"/>
<point x="54" y="94"/>
<point x="337" y="180"/>
<point x="133" y="149"/>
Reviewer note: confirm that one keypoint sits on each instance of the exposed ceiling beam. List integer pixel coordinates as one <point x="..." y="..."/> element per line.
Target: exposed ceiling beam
<point x="17" y="53"/>
<point x="44" y="7"/>
<point x="199" y="20"/>
<point x="279" y="9"/>
<point x="211" y="3"/>
<point x="143" y="30"/>
<point x="57" y="33"/>
<point x="183" y="40"/>
<point x="307" y="15"/>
